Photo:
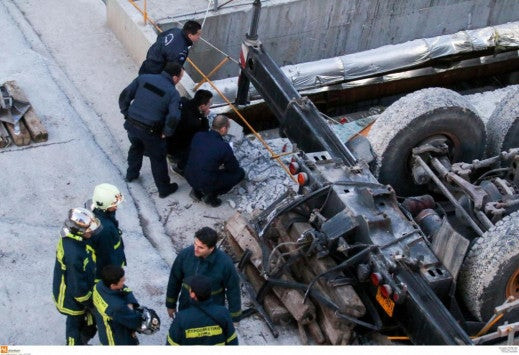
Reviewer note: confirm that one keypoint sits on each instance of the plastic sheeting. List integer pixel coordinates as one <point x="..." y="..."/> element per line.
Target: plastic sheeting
<point x="387" y="58"/>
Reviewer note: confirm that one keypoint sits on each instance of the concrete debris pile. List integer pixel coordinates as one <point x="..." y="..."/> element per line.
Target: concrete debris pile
<point x="265" y="179"/>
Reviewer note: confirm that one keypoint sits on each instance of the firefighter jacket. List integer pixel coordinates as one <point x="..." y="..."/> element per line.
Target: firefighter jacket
<point x="108" y="243"/>
<point x="171" y="46"/>
<point x="115" y="321"/>
<point x="218" y="266"/>
<point x="207" y="154"/>
<point x="74" y="273"/>
<point x="203" y="323"/>
<point x="153" y="101"/>
<point x="191" y="122"/>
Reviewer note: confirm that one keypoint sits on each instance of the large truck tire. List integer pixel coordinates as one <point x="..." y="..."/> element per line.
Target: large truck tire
<point x="490" y="271"/>
<point x="415" y="118"/>
<point x="503" y="125"/>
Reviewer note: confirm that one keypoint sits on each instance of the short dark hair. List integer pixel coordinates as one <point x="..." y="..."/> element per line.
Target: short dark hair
<point x="207" y="236"/>
<point x="111" y="274"/>
<point x="191" y="27"/>
<point x="201" y="286"/>
<point x="173" y="68"/>
<point x="202" y="97"/>
<point x="220" y="121"/>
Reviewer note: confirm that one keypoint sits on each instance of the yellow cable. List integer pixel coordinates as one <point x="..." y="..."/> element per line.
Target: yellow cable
<point x="256" y="134"/>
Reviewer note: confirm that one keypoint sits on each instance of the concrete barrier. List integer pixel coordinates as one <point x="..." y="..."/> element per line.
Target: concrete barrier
<point x="128" y="25"/>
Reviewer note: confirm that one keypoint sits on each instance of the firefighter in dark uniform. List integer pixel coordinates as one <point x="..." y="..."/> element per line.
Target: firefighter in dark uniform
<point x="192" y="120"/>
<point x="116" y="309"/>
<point x="171" y="46"/>
<point x="74" y="274"/>
<point x="212" y="168"/>
<point x="203" y="258"/>
<point x="108" y="243"/>
<point x="204" y="322"/>
<point x="150" y="105"/>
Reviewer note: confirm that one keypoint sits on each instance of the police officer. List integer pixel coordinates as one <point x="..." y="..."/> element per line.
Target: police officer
<point x="203" y="323"/>
<point x="203" y="258"/>
<point x="212" y="168"/>
<point x="74" y="273"/>
<point x="116" y="309"/>
<point x="192" y="120"/>
<point x="171" y="46"/>
<point x="150" y="105"/>
<point x="108" y="243"/>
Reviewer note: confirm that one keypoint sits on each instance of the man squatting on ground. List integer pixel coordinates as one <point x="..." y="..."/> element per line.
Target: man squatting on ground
<point x="193" y="119"/>
<point x="212" y="168"/>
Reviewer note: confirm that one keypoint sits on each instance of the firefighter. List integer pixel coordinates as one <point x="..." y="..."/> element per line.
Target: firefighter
<point x="108" y="243"/>
<point x="171" y="46"/>
<point x="203" y="322"/>
<point x="150" y="105"/>
<point x="192" y="120"/>
<point x="116" y="307"/>
<point x="212" y="168"/>
<point x="204" y="258"/>
<point x="74" y="274"/>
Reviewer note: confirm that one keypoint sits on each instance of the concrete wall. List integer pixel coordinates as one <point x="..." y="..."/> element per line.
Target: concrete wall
<point x="295" y="31"/>
<point x="128" y="25"/>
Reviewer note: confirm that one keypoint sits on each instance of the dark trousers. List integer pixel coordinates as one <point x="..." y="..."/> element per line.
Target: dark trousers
<point x="80" y="329"/>
<point x="224" y="182"/>
<point x="155" y="148"/>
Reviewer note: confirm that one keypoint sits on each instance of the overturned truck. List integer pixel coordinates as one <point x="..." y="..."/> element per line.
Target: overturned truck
<point x="412" y="231"/>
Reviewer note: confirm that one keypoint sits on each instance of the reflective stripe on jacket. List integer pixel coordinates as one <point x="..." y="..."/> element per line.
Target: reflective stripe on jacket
<point x="203" y="323"/>
<point x="74" y="273"/>
<point x="115" y="321"/>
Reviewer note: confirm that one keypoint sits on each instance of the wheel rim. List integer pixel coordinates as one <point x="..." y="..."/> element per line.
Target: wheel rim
<point x="512" y="286"/>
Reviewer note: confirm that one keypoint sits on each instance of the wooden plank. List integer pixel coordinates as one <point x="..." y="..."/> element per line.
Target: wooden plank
<point x="344" y="296"/>
<point x="303" y="312"/>
<point x="23" y="137"/>
<point x="36" y="129"/>
<point x="275" y="309"/>
<point x="316" y="333"/>
<point x="15" y="91"/>
<point x="31" y="122"/>
<point x="5" y="140"/>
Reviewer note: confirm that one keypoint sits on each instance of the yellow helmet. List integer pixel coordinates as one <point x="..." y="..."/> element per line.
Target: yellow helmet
<point x="106" y="196"/>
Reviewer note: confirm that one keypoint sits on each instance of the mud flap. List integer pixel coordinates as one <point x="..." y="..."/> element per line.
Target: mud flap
<point x="450" y="247"/>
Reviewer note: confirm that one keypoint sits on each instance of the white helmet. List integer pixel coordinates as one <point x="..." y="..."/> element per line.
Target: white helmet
<point x="106" y="196"/>
<point x="81" y="221"/>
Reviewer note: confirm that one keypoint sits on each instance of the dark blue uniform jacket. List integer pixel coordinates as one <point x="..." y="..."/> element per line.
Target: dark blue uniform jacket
<point x="193" y="326"/>
<point x="207" y="153"/>
<point x="171" y="46"/>
<point x="153" y="100"/>
<point x="74" y="273"/>
<point x="218" y="266"/>
<point x="108" y="243"/>
<point x="115" y="320"/>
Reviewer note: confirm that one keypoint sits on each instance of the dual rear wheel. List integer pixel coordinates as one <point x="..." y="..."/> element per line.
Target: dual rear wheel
<point x="490" y="271"/>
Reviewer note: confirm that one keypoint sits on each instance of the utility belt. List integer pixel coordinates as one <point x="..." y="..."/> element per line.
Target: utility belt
<point x="155" y="129"/>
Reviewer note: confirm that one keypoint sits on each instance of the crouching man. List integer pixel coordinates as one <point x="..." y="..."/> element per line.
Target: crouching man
<point x="204" y="322"/>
